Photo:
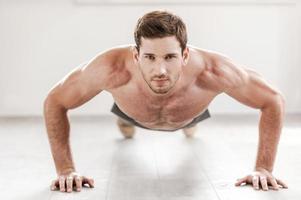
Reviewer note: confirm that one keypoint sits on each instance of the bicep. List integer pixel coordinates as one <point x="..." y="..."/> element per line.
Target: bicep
<point x="253" y="91"/>
<point x="73" y="91"/>
<point x="80" y="85"/>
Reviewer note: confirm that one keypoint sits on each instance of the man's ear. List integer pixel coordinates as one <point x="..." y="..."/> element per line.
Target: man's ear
<point x="135" y="53"/>
<point x="185" y="55"/>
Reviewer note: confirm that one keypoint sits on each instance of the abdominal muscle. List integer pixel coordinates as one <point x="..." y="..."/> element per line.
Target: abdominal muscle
<point x="170" y="114"/>
<point x="164" y="125"/>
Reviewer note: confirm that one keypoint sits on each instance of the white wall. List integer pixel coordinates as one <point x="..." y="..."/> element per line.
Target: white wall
<point x="41" y="41"/>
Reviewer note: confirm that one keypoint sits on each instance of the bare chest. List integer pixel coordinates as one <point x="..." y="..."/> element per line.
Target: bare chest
<point x="171" y="113"/>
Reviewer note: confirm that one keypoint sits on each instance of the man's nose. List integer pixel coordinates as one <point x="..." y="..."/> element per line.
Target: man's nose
<point x="161" y="70"/>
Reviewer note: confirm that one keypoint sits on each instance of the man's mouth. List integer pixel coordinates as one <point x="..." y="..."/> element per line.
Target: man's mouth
<point x="160" y="79"/>
<point x="160" y="82"/>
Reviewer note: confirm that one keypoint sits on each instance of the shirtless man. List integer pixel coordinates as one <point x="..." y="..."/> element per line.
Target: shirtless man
<point x="161" y="83"/>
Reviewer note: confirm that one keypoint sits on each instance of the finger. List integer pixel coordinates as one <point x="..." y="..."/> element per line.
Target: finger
<point x="78" y="183"/>
<point x="69" y="183"/>
<point x="89" y="181"/>
<point x="280" y="182"/>
<point x="54" y="185"/>
<point x="274" y="183"/>
<point x="241" y="181"/>
<point x="264" y="184"/>
<point x="255" y="182"/>
<point x="62" y="183"/>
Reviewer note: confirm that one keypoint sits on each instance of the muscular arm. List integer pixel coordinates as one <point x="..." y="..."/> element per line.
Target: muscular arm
<point x="78" y="87"/>
<point x="255" y="92"/>
<point x="251" y="89"/>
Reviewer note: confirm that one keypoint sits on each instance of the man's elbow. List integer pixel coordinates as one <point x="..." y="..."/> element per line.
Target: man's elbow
<point x="275" y="104"/>
<point x="280" y="101"/>
<point x="52" y="102"/>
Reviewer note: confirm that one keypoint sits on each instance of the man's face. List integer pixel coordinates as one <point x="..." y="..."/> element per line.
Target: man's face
<point x="160" y="61"/>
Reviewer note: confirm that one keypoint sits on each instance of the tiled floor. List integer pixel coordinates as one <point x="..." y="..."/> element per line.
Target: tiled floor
<point x="151" y="166"/>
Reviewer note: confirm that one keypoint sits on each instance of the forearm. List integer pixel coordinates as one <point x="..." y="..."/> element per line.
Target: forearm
<point x="270" y="126"/>
<point x="57" y="126"/>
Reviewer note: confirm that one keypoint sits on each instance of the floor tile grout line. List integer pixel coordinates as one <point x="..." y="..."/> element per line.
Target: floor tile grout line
<point x="156" y="161"/>
<point x="111" y="174"/>
<point x="207" y="177"/>
<point x="156" y="164"/>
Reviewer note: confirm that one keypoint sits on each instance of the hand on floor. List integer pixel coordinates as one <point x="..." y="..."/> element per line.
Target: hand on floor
<point x="261" y="178"/>
<point x="70" y="182"/>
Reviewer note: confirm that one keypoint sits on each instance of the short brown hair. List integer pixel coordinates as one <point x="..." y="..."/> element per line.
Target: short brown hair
<point x="159" y="24"/>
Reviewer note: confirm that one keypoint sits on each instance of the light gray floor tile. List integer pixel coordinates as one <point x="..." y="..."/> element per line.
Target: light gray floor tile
<point x="151" y="166"/>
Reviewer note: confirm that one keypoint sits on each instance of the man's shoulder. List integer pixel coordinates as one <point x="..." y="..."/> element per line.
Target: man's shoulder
<point x="109" y="67"/>
<point x="208" y="57"/>
<point x="114" y="56"/>
<point x="218" y="71"/>
<point x="111" y="61"/>
<point x="210" y="60"/>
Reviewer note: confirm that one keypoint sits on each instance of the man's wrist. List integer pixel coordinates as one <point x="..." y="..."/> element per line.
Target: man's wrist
<point x="66" y="171"/>
<point x="260" y="168"/>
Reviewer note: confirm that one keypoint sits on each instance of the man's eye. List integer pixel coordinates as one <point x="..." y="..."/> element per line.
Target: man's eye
<point x="150" y="57"/>
<point x="169" y="57"/>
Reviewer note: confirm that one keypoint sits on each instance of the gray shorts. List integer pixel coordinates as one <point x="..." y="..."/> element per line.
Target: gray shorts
<point x="122" y="115"/>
